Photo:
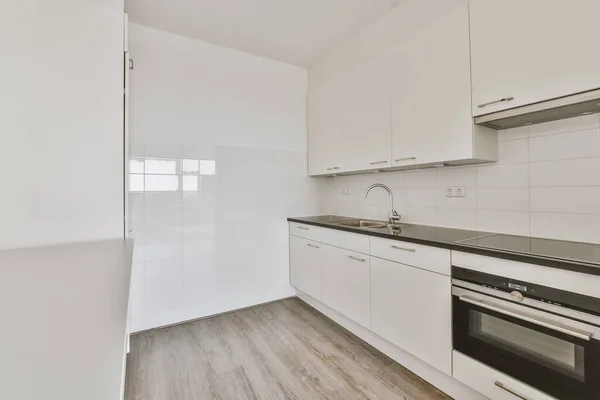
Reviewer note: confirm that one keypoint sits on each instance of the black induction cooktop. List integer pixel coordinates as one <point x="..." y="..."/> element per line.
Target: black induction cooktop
<point x="557" y="249"/>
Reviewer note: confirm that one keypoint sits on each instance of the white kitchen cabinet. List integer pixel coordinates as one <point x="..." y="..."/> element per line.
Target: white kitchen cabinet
<point x="493" y="384"/>
<point x="346" y="283"/>
<point x="431" y="97"/>
<point x="305" y="266"/>
<point x="532" y="50"/>
<point x="366" y="116"/>
<point x="324" y="127"/>
<point x="411" y="308"/>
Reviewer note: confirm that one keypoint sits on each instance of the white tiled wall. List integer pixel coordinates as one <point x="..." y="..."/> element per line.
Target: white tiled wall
<point x="218" y="162"/>
<point x="546" y="184"/>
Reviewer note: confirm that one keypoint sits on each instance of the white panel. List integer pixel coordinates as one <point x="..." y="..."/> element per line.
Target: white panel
<point x="346" y="240"/>
<point x="509" y="199"/>
<point x="509" y="175"/>
<point x="306" y="266"/>
<point x="513" y="222"/>
<point x="575" y="227"/>
<point x="307" y="231"/>
<point x="575" y="172"/>
<point x="503" y="34"/>
<point x="513" y="151"/>
<point x="347" y="283"/>
<point x="577" y="144"/>
<point x="402" y="314"/>
<point x="483" y="379"/>
<point x="582" y="200"/>
<point x="61" y="159"/>
<point x="425" y="257"/>
<point x="552" y="277"/>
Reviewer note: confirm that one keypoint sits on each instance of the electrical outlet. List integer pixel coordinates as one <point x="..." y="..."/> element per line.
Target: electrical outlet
<point x="346" y="192"/>
<point x="456" y="191"/>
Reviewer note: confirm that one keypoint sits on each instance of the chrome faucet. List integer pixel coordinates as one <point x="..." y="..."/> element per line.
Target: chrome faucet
<point x="394" y="217"/>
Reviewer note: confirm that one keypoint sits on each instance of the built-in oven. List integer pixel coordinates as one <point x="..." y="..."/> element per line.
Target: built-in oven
<point x="545" y="337"/>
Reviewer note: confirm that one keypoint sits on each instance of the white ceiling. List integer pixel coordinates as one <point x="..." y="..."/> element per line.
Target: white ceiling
<point x="298" y="32"/>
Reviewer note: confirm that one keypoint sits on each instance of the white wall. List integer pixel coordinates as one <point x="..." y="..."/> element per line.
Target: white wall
<point x="546" y="184"/>
<point x="209" y="241"/>
<point x="61" y="130"/>
<point x="407" y="17"/>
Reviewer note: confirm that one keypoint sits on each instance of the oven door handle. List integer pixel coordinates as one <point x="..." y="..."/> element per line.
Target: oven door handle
<point x="546" y="324"/>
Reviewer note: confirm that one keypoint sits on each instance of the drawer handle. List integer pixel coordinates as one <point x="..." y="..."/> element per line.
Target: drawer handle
<point x="303" y="228"/>
<point x="357" y="259"/>
<point x="504" y="100"/>
<point x="404" y="159"/>
<point x="403" y="248"/>
<point x="378" y="162"/>
<point x="314" y="246"/>
<point x="501" y="386"/>
<point x="333" y="168"/>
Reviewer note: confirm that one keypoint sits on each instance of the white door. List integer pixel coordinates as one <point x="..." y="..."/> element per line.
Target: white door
<point x="324" y="119"/>
<point x="431" y="93"/>
<point x="346" y="286"/>
<point x="411" y="308"/>
<point x="366" y="136"/>
<point x="532" y="50"/>
<point x="305" y="266"/>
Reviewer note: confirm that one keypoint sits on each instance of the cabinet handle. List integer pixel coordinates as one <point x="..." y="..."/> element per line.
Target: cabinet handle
<point x="357" y="259"/>
<point x="504" y="100"/>
<point x="333" y="168"/>
<point x="314" y="246"/>
<point x="501" y="386"/>
<point x="405" y="159"/>
<point x="378" y="162"/>
<point x="303" y="228"/>
<point x="403" y="248"/>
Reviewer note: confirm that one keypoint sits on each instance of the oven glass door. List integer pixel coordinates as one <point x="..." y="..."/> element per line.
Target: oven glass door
<point x="560" y="364"/>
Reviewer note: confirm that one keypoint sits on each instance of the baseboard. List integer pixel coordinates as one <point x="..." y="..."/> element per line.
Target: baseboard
<point x="187" y="321"/>
<point x="440" y="380"/>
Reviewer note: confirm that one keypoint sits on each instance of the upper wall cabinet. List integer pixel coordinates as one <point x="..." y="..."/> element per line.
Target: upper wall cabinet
<point x="431" y="97"/>
<point x="527" y="51"/>
<point x="324" y="128"/>
<point x="366" y="116"/>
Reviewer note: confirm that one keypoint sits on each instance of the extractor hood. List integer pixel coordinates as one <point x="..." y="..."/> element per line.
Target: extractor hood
<point x="545" y="111"/>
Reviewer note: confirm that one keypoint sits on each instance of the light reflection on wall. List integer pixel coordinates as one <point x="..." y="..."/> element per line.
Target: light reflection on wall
<point x="168" y="174"/>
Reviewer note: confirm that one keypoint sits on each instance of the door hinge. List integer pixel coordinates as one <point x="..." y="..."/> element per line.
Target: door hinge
<point x="131" y="66"/>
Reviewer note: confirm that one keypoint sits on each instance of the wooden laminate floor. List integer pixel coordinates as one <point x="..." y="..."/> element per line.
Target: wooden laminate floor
<point x="283" y="350"/>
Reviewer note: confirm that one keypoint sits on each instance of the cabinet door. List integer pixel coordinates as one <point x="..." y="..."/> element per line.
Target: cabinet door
<point x="305" y="266"/>
<point x="532" y="50"/>
<point x="431" y="93"/>
<point x="366" y="136"/>
<point x="324" y="119"/>
<point x="411" y="308"/>
<point x="346" y="286"/>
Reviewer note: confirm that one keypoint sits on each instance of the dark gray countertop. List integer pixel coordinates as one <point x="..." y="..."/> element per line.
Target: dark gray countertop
<point x="574" y="256"/>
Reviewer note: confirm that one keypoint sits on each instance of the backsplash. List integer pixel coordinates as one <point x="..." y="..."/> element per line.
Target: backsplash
<point x="545" y="184"/>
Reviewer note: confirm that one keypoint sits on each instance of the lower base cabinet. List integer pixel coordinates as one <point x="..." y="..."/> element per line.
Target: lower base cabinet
<point x="411" y="308"/>
<point x="305" y="266"/>
<point x="491" y="383"/>
<point x="346" y="283"/>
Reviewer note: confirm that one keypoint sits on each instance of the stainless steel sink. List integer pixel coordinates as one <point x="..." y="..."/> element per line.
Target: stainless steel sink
<point x="358" y="223"/>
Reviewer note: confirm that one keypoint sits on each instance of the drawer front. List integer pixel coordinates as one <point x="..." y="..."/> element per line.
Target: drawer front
<point x="425" y="257"/>
<point x="492" y="383"/>
<point x="306" y="231"/>
<point x="346" y="240"/>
